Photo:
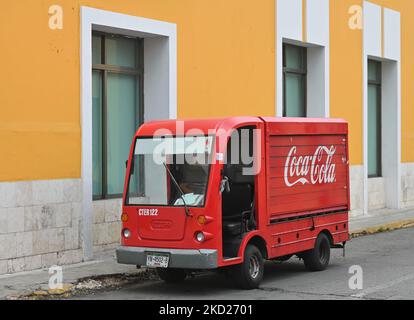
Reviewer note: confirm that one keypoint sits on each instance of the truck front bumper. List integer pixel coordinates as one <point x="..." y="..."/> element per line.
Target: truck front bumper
<point x="179" y="258"/>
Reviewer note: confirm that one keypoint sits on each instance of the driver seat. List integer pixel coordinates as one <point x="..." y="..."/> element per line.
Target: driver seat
<point x="236" y="203"/>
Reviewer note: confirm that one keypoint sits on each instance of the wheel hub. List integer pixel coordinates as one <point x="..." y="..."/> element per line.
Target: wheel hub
<point x="254" y="267"/>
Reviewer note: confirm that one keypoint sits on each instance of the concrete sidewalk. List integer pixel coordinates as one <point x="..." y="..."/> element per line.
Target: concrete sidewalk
<point x="381" y="219"/>
<point x="27" y="282"/>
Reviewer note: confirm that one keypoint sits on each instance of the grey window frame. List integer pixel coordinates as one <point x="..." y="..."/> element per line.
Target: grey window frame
<point x="104" y="69"/>
<point x="301" y="71"/>
<point x="378" y="84"/>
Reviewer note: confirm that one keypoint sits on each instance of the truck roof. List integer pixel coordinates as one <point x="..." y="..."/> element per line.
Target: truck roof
<point x="307" y="125"/>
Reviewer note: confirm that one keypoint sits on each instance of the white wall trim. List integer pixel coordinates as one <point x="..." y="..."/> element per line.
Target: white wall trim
<point x="372" y="29"/>
<point x="288" y="26"/>
<point x="374" y="41"/>
<point x="318" y="35"/>
<point x="289" y="29"/>
<point x="166" y="33"/>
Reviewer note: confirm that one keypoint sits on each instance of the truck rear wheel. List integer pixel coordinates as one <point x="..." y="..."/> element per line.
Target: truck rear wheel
<point x="317" y="259"/>
<point x="249" y="274"/>
<point x="172" y="275"/>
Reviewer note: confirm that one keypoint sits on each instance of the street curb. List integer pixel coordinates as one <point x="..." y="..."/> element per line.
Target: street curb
<point x="383" y="228"/>
<point x="86" y="285"/>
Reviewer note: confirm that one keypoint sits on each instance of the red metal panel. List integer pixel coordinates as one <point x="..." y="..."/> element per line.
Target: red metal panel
<point x="306" y="172"/>
<point x="300" y="235"/>
<point x="305" y="126"/>
<point x="169" y="224"/>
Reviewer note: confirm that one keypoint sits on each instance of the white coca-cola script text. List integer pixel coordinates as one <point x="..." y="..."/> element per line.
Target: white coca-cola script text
<point x="313" y="169"/>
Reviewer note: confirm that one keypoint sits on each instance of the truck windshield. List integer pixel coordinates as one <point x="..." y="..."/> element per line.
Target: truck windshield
<point x="157" y="162"/>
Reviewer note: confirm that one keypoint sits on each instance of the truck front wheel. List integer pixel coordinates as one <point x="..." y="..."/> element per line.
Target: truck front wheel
<point x="317" y="259"/>
<point x="249" y="274"/>
<point x="172" y="275"/>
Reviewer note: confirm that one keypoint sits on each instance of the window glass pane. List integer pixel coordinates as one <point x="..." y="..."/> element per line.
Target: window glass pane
<point x="121" y="52"/>
<point x="373" y="74"/>
<point x="121" y="127"/>
<point x="187" y="160"/>
<point x="96" y="50"/>
<point x="373" y="130"/>
<point x="294" y="57"/>
<point x="97" y="133"/>
<point x="294" y="95"/>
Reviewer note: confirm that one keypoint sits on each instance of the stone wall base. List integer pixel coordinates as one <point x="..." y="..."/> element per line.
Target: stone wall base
<point x="40" y="224"/>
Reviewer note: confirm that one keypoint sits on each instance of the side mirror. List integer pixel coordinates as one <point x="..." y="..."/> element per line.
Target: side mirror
<point x="224" y="185"/>
<point x="132" y="166"/>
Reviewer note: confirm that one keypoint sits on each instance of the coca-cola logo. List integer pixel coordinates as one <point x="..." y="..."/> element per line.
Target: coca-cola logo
<point x="313" y="169"/>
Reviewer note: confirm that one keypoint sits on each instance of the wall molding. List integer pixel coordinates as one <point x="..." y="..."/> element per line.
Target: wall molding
<point x="305" y="23"/>
<point x="160" y="91"/>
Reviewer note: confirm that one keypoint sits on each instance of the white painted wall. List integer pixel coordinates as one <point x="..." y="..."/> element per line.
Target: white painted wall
<point x="289" y="19"/>
<point x="156" y="78"/>
<point x="391" y="134"/>
<point x="316" y="83"/>
<point x="392" y="35"/>
<point x="317" y="22"/>
<point x="372" y="29"/>
<point x="391" y="108"/>
<point x="318" y="28"/>
<point x="288" y="26"/>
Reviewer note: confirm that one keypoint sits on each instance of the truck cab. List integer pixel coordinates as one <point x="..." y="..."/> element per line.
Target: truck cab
<point x="199" y="196"/>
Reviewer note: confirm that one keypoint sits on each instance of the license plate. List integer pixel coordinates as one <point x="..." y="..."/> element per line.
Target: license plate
<point x="157" y="260"/>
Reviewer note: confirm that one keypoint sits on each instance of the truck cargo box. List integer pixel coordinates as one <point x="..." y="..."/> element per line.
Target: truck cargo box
<point x="307" y="167"/>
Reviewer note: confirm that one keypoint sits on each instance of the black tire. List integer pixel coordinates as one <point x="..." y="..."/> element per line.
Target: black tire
<point x="171" y="275"/>
<point x="317" y="259"/>
<point x="249" y="274"/>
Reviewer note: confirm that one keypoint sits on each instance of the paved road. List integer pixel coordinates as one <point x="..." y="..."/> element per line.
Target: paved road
<point x="387" y="261"/>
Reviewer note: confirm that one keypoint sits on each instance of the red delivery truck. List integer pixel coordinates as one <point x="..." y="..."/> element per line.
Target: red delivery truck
<point x="228" y="194"/>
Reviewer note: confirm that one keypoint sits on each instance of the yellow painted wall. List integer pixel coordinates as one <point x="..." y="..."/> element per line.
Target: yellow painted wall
<point x="39" y="94"/>
<point x="346" y="94"/>
<point x="226" y="66"/>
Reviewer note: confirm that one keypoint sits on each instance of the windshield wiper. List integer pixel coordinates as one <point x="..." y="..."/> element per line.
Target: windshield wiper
<point x="187" y="211"/>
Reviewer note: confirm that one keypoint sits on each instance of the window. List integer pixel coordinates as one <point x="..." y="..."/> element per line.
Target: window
<point x="179" y="165"/>
<point x="117" y="102"/>
<point x="294" y="81"/>
<point x="374" y="118"/>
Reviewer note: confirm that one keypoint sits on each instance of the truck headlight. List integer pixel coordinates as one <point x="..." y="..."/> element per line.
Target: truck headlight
<point x="199" y="236"/>
<point x="126" y="233"/>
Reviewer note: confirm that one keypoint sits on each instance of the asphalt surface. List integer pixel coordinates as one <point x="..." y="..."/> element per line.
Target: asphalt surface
<point x="386" y="259"/>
